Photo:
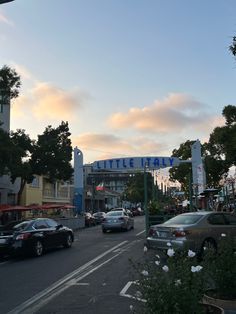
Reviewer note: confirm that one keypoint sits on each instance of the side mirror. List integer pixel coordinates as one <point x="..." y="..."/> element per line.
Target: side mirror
<point x="59" y="227"/>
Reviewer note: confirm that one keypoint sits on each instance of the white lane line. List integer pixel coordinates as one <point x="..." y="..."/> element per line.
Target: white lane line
<point x="50" y="290"/>
<point x="137" y="234"/>
<point x="46" y="299"/>
<point x="125" y="289"/>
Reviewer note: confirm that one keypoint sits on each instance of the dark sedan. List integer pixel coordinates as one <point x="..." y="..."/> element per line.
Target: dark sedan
<point x="38" y="235"/>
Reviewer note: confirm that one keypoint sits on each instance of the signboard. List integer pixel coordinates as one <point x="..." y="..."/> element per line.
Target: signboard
<point x="131" y="163"/>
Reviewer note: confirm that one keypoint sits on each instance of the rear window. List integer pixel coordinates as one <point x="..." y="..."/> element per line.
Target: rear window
<point x="118" y="213"/>
<point x="183" y="220"/>
<point x="21" y="226"/>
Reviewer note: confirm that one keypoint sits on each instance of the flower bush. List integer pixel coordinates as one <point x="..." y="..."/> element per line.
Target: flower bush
<point x="177" y="286"/>
<point x="221" y="267"/>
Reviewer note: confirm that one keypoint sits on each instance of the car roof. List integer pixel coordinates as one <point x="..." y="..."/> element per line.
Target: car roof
<point x="203" y="212"/>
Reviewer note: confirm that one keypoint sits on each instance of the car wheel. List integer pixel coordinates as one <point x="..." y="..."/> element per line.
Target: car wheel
<point x="68" y="241"/>
<point x="38" y="248"/>
<point x="104" y="230"/>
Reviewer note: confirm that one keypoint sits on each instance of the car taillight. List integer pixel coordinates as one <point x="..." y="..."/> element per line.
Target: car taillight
<point x="151" y="232"/>
<point x="23" y="236"/>
<point x="180" y="233"/>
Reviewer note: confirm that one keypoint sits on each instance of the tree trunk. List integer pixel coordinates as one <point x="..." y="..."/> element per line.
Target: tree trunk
<point x="22" y="185"/>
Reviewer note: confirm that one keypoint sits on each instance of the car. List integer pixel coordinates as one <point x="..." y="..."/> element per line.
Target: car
<point x="37" y="235"/>
<point x="193" y="230"/>
<point x="127" y="211"/>
<point x="5" y="236"/>
<point x="99" y="217"/>
<point x="89" y="219"/>
<point x="117" y="220"/>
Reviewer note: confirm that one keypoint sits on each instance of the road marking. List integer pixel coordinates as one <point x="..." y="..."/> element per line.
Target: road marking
<point x="137" y="234"/>
<point x="43" y="297"/>
<point x="126" y="288"/>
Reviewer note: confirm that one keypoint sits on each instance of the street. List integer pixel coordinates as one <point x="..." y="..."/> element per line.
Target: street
<point x="94" y="276"/>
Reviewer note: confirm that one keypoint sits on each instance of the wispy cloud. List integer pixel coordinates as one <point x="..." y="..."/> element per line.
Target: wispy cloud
<point x="110" y="146"/>
<point x="5" y="20"/>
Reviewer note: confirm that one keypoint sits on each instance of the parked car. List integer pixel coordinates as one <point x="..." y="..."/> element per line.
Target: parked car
<point x="99" y="216"/>
<point x="117" y="219"/>
<point x="89" y="219"/>
<point x="127" y="211"/>
<point x="38" y="235"/>
<point x="194" y="230"/>
<point x="5" y="236"/>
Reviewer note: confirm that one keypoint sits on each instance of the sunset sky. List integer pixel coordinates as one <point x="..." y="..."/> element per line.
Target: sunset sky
<point x="132" y="77"/>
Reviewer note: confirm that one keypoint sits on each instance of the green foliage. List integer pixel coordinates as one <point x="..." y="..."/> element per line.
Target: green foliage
<point x="183" y="171"/>
<point x="52" y="153"/>
<point x="223" y="139"/>
<point x="232" y="47"/>
<point x="221" y="266"/>
<point x="135" y="187"/>
<point x="9" y="82"/>
<point x="172" y="287"/>
<point x="154" y="207"/>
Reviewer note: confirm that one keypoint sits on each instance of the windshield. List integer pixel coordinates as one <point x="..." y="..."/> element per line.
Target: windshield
<point x="183" y="220"/>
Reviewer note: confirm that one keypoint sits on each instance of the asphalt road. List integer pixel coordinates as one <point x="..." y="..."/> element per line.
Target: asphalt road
<point x="94" y="276"/>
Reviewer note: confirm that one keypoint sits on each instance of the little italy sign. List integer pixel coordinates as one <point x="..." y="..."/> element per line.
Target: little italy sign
<point x="136" y="163"/>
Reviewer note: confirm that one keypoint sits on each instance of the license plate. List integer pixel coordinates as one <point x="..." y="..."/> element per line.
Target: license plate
<point x="161" y="234"/>
<point x="3" y="241"/>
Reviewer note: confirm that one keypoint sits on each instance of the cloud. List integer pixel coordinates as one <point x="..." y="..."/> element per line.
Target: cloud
<point x="52" y="102"/>
<point x="5" y="20"/>
<point x="45" y="101"/>
<point x="175" y="113"/>
<point x="103" y="146"/>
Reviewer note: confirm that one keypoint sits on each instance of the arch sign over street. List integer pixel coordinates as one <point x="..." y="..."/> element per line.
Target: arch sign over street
<point x="135" y="163"/>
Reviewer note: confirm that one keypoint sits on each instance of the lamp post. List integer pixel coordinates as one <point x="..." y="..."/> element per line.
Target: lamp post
<point x="145" y="199"/>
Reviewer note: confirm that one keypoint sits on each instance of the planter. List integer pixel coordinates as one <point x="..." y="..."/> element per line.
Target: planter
<point x="223" y="303"/>
<point x="212" y="309"/>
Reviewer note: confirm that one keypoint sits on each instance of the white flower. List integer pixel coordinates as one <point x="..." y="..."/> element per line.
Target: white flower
<point x="191" y="253"/>
<point x="138" y="294"/>
<point x="170" y="252"/>
<point x="131" y="307"/>
<point x="144" y="273"/>
<point x="157" y="256"/>
<point x="145" y="249"/>
<point x="165" y="268"/>
<point x="223" y="235"/>
<point x="168" y="244"/>
<point x="178" y="282"/>
<point x="195" y="269"/>
<point x="157" y="263"/>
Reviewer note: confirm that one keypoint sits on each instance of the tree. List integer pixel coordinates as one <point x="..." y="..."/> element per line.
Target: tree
<point x="10" y="82"/>
<point x="232" y="47"/>
<point x="183" y="172"/>
<point x="5" y="151"/>
<point x="135" y="187"/>
<point x="52" y="153"/>
<point x="215" y="166"/>
<point x="223" y="139"/>
<point x="20" y="162"/>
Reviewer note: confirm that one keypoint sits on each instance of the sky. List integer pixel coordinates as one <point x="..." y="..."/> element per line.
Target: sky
<point x="131" y="77"/>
